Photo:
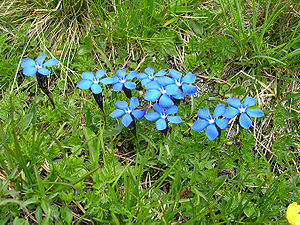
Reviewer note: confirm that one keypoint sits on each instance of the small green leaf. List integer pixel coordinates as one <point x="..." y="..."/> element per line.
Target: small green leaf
<point x="84" y="50"/>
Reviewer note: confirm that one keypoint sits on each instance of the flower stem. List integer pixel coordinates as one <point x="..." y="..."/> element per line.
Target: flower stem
<point x="127" y="92"/>
<point x="99" y="99"/>
<point x="132" y="127"/>
<point x="165" y="131"/>
<point x="43" y="84"/>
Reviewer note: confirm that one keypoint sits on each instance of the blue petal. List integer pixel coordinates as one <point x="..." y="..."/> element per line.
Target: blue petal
<point x="118" y="87"/>
<point x="175" y="74"/>
<point x="149" y="71"/>
<point x="87" y="75"/>
<point x="126" y="120"/>
<point x="44" y="71"/>
<point x="40" y="59"/>
<point x="121" y="73"/>
<point x="152" y="85"/>
<point x="131" y="75"/>
<point x="130" y="85"/>
<point x="245" y="121"/>
<point x="203" y="114"/>
<point x="141" y="76"/>
<point x="249" y="101"/>
<point x="161" y="124"/>
<point x="27" y="63"/>
<point x="256" y="113"/>
<point x="179" y="94"/>
<point x="189" y="78"/>
<point x="219" y="110"/>
<point x="172" y="110"/>
<point x="165" y="80"/>
<point x="211" y="132"/>
<point x="234" y="102"/>
<point x="50" y="62"/>
<point x="160" y="73"/>
<point x="174" y="119"/>
<point x="100" y="73"/>
<point x="152" y="116"/>
<point x="158" y="108"/>
<point x="29" y="71"/>
<point x="139" y="113"/>
<point x="172" y="89"/>
<point x="146" y="81"/>
<point x="165" y="101"/>
<point x="231" y="112"/>
<point x="152" y="95"/>
<point x="96" y="89"/>
<point x="222" y="123"/>
<point x="117" y="113"/>
<point x="200" y="125"/>
<point x="109" y="80"/>
<point x="134" y="103"/>
<point x="84" y="84"/>
<point x="122" y="105"/>
<point x="189" y="89"/>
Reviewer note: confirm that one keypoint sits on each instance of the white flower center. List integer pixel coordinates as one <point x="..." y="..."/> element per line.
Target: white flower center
<point x="128" y="111"/>
<point x="163" y="116"/>
<point x="211" y="120"/>
<point x="38" y="66"/>
<point x="242" y="109"/>
<point x="95" y="80"/>
<point x="122" y="80"/>
<point x="162" y="90"/>
<point x="151" y="77"/>
<point x="178" y="82"/>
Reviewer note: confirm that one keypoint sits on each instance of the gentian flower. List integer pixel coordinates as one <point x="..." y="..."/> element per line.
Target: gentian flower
<point x="244" y="111"/>
<point x="148" y="76"/>
<point x="210" y="121"/>
<point x="157" y="91"/>
<point x="121" y="80"/>
<point x="91" y="81"/>
<point x="180" y="85"/>
<point x="125" y="110"/>
<point x="162" y="114"/>
<point x="31" y="67"/>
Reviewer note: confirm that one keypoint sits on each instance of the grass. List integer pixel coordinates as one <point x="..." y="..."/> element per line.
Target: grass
<point x="66" y="166"/>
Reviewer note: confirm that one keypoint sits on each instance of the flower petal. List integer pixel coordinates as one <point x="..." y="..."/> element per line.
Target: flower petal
<point x="256" y="113"/>
<point x="152" y="95"/>
<point x="110" y="80"/>
<point x="203" y="114"/>
<point x="117" y="113"/>
<point x="222" y="123"/>
<point x="122" y="105"/>
<point x="174" y="119"/>
<point x="211" y="132"/>
<point x="50" y="62"/>
<point x="172" y="89"/>
<point x="249" y="101"/>
<point x="231" y="112"/>
<point x="44" y="71"/>
<point x="146" y="81"/>
<point x="40" y="59"/>
<point x="175" y="74"/>
<point x="152" y="85"/>
<point x="189" y="78"/>
<point x="121" y="73"/>
<point x="158" y="108"/>
<point x="160" y="73"/>
<point x="84" y="84"/>
<point x="149" y="71"/>
<point x="165" y="80"/>
<point x="134" y="103"/>
<point x="131" y="75"/>
<point x="161" y="124"/>
<point x="234" y="102"/>
<point x="200" y="125"/>
<point x="245" y="121"/>
<point x="219" y="110"/>
<point x="100" y="73"/>
<point x="96" y="89"/>
<point x="179" y="94"/>
<point x="118" y="87"/>
<point x="172" y="110"/>
<point x="87" y="75"/>
<point x="152" y="116"/>
<point x="130" y="85"/>
<point x="27" y="63"/>
<point x="126" y="120"/>
<point x="165" y="101"/>
<point x="139" y="113"/>
<point x="141" y="76"/>
<point x="189" y="89"/>
<point x="29" y="71"/>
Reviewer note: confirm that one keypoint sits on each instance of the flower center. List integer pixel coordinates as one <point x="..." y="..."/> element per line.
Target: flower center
<point x="178" y="82"/>
<point x="128" y="111"/>
<point x="162" y="90"/>
<point x="163" y="116"/>
<point x="151" y="76"/>
<point x="38" y="66"/>
<point x="242" y="109"/>
<point x="95" y="80"/>
<point x="211" y="120"/>
<point x="122" y="80"/>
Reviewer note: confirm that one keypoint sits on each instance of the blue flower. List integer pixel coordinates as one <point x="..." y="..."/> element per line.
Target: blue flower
<point x="244" y="111"/>
<point x="157" y="91"/>
<point x="210" y="121"/>
<point x="91" y="81"/>
<point x="180" y="85"/>
<point x="121" y="80"/>
<point x="162" y="114"/>
<point x="126" y="111"/>
<point x="31" y="67"/>
<point x="148" y="76"/>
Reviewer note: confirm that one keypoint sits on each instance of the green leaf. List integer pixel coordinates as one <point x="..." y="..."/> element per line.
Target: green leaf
<point x="66" y="214"/>
<point x="84" y="50"/>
